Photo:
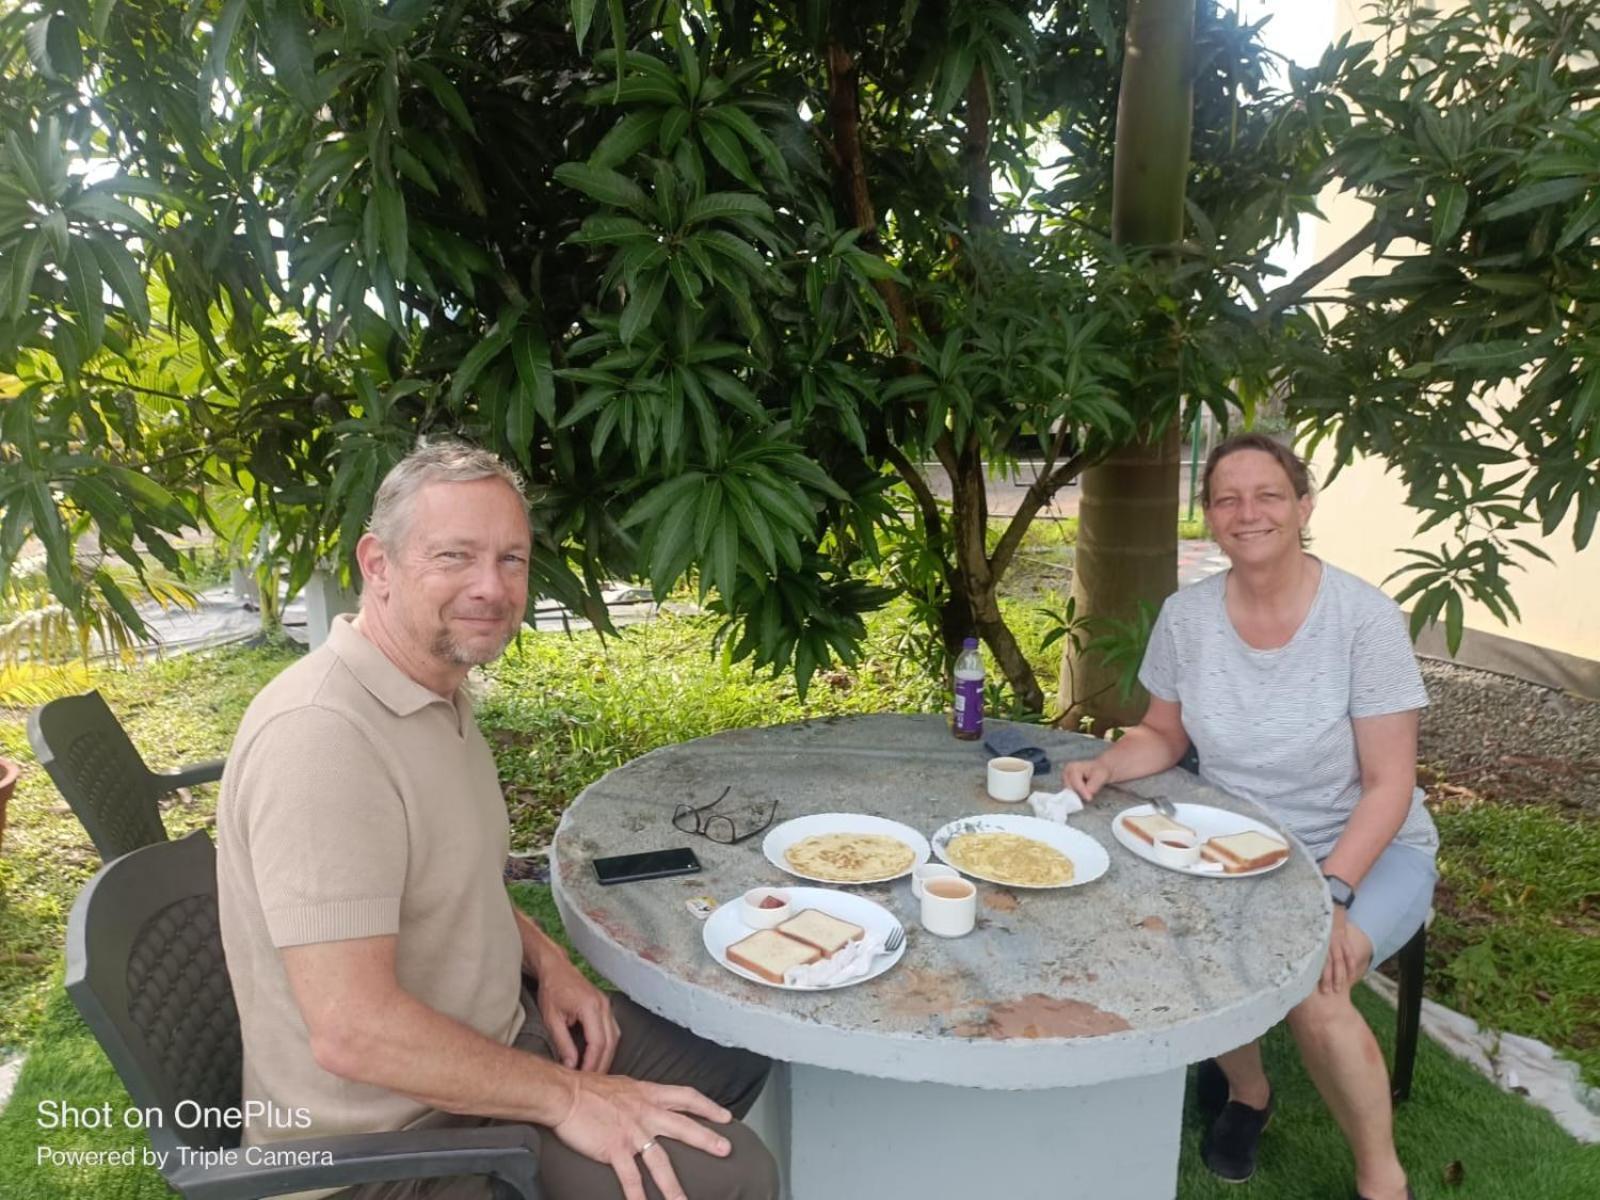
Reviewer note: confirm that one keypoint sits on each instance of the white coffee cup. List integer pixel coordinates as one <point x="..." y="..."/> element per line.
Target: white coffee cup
<point x="949" y="906"/>
<point x="1010" y="779"/>
<point x="1176" y="849"/>
<point x="932" y="870"/>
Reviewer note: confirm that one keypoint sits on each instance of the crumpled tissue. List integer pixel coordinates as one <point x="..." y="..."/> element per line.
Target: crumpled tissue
<point x="852" y="962"/>
<point x="1055" y="806"/>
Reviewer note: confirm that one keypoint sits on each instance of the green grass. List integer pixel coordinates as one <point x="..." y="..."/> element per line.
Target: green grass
<point x="1516" y="937"/>
<point x="1457" y="1125"/>
<point x="178" y="710"/>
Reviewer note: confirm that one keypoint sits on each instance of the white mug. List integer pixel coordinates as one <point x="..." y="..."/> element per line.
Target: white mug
<point x="949" y="906"/>
<point x="1010" y="779"/>
<point x="920" y="875"/>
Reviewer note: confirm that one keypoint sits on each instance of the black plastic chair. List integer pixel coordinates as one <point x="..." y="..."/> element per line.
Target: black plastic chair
<point x="81" y="744"/>
<point x="145" y="968"/>
<point x="1411" y="962"/>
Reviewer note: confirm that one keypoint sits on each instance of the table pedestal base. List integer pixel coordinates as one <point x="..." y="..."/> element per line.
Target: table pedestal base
<point x="841" y="1136"/>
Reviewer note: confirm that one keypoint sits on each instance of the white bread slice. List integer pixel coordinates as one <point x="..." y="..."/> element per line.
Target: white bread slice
<point x="816" y="928"/>
<point x="1153" y="825"/>
<point x="1247" y="851"/>
<point x="769" y="954"/>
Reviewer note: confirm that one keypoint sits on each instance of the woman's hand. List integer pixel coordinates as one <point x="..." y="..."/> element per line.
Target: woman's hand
<point x="1348" y="954"/>
<point x="1086" y="776"/>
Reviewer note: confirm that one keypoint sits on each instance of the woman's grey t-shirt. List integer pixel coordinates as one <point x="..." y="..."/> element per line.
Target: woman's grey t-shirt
<point x="1275" y="726"/>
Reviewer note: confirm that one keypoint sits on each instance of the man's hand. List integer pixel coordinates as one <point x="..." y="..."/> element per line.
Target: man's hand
<point x="1086" y="776"/>
<point x="1348" y="952"/>
<point x="617" y="1120"/>
<point x="566" y="999"/>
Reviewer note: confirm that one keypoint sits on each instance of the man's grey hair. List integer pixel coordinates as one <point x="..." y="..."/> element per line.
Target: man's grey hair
<point x="444" y="460"/>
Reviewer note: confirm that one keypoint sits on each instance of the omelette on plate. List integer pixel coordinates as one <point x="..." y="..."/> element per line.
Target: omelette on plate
<point x="850" y="857"/>
<point x="1009" y="858"/>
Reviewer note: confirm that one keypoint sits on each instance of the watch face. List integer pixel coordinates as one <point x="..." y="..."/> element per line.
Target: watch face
<point x="1340" y="891"/>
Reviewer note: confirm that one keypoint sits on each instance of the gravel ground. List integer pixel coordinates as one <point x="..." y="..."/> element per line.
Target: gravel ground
<point x="1517" y="740"/>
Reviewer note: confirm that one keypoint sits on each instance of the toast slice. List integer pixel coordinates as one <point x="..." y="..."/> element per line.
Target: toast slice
<point x="1153" y="825"/>
<point x="1247" y="851"/>
<point x="770" y="955"/>
<point x="816" y="928"/>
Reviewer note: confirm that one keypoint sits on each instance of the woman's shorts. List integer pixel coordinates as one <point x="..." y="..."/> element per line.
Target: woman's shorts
<point x="1393" y="900"/>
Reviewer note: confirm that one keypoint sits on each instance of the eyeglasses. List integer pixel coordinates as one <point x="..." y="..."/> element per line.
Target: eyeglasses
<point x="718" y="827"/>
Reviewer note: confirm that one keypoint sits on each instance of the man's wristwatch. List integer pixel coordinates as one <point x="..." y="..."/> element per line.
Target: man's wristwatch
<point x="1343" y="894"/>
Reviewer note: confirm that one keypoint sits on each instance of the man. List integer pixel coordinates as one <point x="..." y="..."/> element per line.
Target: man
<point x="376" y="958"/>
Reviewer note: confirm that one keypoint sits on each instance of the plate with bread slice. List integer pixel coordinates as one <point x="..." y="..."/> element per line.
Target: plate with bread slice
<point x="827" y="925"/>
<point x="847" y="848"/>
<point x="1017" y="851"/>
<point x="1201" y="840"/>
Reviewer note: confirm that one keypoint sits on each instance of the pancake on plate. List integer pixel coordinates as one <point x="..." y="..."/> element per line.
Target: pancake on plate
<point x="850" y="857"/>
<point x="1009" y="858"/>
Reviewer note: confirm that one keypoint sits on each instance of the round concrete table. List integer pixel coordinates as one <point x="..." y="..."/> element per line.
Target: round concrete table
<point x="1041" y="1056"/>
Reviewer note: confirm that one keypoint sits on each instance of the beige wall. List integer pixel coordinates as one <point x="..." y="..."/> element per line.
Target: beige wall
<point x="1362" y="521"/>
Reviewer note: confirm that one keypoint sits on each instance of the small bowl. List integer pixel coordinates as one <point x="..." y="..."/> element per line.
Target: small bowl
<point x="1176" y="849"/>
<point x="771" y="917"/>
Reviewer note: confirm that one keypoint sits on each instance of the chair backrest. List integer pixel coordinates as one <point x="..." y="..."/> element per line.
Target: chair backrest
<point x="81" y="744"/>
<point x="146" y="971"/>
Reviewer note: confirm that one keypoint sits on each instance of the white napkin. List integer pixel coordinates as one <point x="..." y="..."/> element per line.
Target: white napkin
<point x="852" y="962"/>
<point x="1055" y="806"/>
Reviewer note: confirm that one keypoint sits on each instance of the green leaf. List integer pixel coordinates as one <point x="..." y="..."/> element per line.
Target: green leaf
<point x="475" y="360"/>
<point x="54" y="49"/>
<point x="289" y="42"/>
<point x="1447" y="213"/>
<point x="1581" y="223"/>
<point x="445" y="93"/>
<point x="604" y="185"/>
<point x="98" y="206"/>
<point x="392" y="228"/>
<point x="84" y="286"/>
<point x="1536" y="195"/>
<point x="222" y="34"/>
<point x="100" y="17"/>
<point x="582" y="17"/>
<point x="48" y="528"/>
<point x="121" y="272"/>
<point x="723" y="205"/>
<point x="532" y="354"/>
<point x="1454" y="618"/>
<point x="642" y="305"/>
<point x="626" y="138"/>
<point x="24" y="264"/>
<point x="662" y="497"/>
<point x="726" y="148"/>
<point x="673" y="126"/>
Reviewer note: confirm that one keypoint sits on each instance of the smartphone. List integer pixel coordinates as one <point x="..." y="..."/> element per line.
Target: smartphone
<point x="652" y="864"/>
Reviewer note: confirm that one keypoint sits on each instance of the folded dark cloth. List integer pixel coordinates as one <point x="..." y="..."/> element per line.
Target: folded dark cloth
<point x="1009" y="741"/>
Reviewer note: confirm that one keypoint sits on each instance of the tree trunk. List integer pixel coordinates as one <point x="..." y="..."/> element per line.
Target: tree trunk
<point x="1128" y="516"/>
<point x="1127" y="552"/>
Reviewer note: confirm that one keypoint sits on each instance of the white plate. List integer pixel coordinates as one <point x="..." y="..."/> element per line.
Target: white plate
<point x="1207" y="822"/>
<point x="1089" y="857"/>
<point x="725" y="926"/>
<point x="780" y="839"/>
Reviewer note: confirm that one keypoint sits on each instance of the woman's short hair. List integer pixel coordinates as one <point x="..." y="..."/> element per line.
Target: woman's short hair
<point x="443" y="460"/>
<point x="1293" y="465"/>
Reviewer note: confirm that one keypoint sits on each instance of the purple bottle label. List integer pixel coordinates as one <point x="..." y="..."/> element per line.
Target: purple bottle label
<point x="969" y="706"/>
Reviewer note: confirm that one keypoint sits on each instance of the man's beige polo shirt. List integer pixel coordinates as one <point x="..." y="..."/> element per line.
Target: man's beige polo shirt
<point x="357" y="803"/>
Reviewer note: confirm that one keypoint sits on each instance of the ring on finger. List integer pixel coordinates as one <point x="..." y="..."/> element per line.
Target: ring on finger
<point x="647" y="1147"/>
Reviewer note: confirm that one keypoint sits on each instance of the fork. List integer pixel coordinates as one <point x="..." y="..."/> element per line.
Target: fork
<point x="897" y="935"/>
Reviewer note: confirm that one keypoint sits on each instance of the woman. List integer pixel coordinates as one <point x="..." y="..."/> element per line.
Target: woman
<point x="1296" y="684"/>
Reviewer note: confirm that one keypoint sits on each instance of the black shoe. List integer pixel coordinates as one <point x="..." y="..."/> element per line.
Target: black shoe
<point x="1210" y="1087"/>
<point x="1229" y="1149"/>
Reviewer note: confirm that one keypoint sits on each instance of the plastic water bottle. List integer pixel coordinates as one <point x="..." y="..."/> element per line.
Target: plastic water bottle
<point x="967" y="718"/>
